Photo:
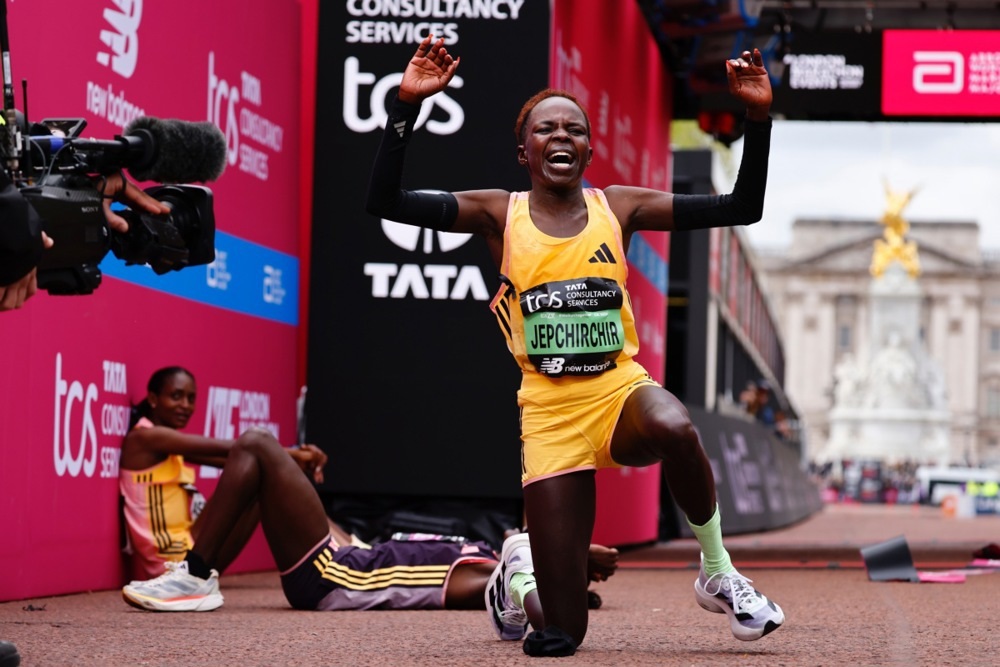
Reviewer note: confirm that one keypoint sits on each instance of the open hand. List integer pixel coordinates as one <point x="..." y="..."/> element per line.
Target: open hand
<point x="429" y="71"/>
<point x="749" y="81"/>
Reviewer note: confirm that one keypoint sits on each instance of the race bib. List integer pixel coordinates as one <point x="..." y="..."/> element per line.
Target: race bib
<point x="573" y="327"/>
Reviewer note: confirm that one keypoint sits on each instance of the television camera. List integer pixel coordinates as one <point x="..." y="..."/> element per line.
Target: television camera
<point x="60" y="173"/>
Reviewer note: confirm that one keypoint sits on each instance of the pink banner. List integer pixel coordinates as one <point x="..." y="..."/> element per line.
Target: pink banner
<point x="628" y="98"/>
<point x="111" y="61"/>
<point x="941" y="73"/>
<point x="74" y="364"/>
<point x="67" y="397"/>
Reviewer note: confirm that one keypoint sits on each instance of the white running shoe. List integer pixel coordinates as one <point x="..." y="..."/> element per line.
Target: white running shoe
<point x="175" y="590"/>
<point x="507" y="619"/>
<point x="751" y="614"/>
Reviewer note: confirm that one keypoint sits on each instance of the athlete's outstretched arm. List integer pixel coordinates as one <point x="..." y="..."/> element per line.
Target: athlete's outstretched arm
<point x="427" y="73"/>
<point x="643" y="208"/>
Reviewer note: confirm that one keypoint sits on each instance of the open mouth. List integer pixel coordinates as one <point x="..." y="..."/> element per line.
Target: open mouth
<point x="561" y="159"/>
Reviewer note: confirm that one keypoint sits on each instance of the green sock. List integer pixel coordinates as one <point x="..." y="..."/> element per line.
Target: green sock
<point x="714" y="555"/>
<point x="521" y="583"/>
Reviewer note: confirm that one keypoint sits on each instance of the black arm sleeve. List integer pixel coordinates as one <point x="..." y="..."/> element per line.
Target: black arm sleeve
<point x="20" y="234"/>
<point x="746" y="203"/>
<point x="386" y="198"/>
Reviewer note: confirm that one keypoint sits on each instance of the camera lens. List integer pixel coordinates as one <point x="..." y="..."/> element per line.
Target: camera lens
<point x="184" y="237"/>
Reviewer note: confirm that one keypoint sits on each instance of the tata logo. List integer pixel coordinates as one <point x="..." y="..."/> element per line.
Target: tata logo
<point x="122" y="39"/>
<point x="938" y="72"/>
<point x="425" y="281"/>
<point x="418" y="239"/>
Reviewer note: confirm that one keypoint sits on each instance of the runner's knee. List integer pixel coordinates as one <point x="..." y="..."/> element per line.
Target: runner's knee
<point x="672" y="436"/>
<point x="257" y="441"/>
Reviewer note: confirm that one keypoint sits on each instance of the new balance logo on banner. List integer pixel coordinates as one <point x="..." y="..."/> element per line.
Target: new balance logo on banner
<point x="603" y="255"/>
<point x="122" y="39"/>
<point x="400" y="128"/>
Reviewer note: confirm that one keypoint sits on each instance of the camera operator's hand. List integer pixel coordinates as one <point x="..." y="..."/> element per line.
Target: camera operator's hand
<point x="14" y="295"/>
<point x="117" y="187"/>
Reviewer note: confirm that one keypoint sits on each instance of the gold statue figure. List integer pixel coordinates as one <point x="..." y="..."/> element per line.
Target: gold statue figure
<point x="893" y="247"/>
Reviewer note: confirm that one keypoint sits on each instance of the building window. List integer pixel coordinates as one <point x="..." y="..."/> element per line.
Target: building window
<point x="844" y="338"/>
<point x="994" y="339"/>
<point x="845" y="315"/>
<point x="993" y="402"/>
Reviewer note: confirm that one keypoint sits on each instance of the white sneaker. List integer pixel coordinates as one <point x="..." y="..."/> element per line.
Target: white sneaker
<point x="507" y="619"/>
<point x="175" y="590"/>
<point x="751" y="614"/>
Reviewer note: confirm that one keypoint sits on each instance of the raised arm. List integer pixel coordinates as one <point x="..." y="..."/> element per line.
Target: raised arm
<point x="643" y="208"/>
<point x="429" y="71"/>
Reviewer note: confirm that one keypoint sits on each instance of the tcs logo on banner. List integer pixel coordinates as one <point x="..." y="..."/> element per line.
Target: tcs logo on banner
<point x="79" y="409"/>
<point x="354" y="79"/>
<point x="251" y="138"/>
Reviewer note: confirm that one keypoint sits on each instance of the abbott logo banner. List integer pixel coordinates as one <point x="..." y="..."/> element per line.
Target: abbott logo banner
<point x="931" y="73"/>
<point x="938" y="72"/>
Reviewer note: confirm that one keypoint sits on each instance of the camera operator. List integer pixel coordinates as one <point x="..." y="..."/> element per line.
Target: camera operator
<point x="22" y="240"/>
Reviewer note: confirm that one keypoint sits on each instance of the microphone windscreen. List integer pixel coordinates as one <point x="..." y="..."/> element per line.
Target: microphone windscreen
<point x="184" y="152"/>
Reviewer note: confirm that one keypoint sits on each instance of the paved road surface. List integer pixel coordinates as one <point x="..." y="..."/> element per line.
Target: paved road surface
<point x="835" y="616"/>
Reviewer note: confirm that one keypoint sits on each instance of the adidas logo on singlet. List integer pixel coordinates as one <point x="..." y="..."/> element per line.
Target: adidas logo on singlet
<point x="603" y="255"/>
